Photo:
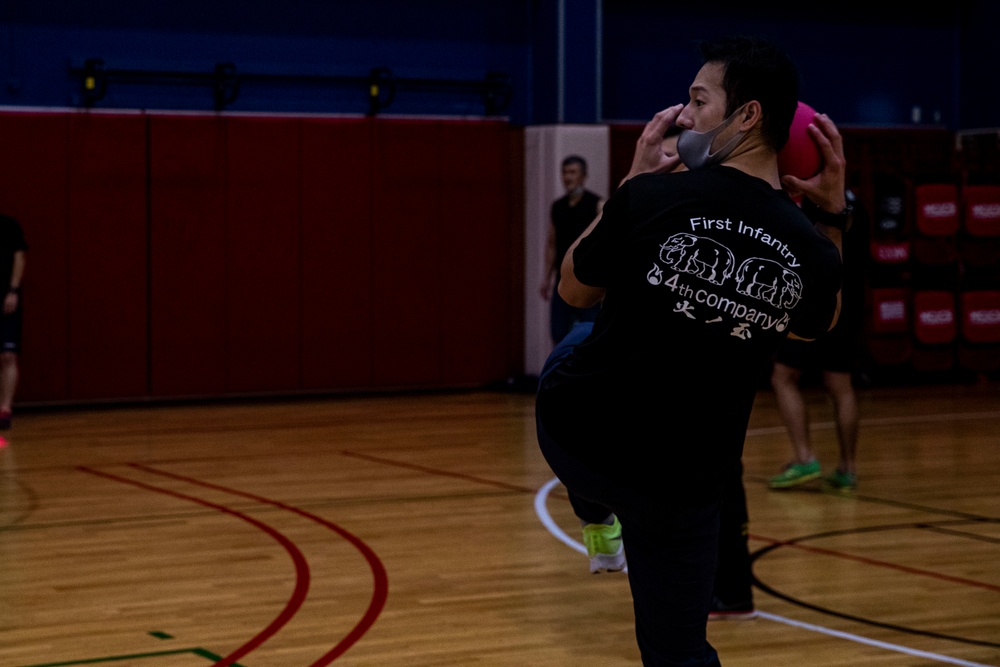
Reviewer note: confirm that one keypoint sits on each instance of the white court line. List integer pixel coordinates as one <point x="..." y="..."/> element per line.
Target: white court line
<point x="870" y="642"/>
<point x="542" y="510"/>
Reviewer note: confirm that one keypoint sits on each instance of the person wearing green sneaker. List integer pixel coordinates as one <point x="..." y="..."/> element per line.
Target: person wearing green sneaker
<point x="833" y="355"/>
<point x="700" y="274"/>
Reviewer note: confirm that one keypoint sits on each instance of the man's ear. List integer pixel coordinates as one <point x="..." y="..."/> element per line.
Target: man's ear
<point x="751" y="115"/>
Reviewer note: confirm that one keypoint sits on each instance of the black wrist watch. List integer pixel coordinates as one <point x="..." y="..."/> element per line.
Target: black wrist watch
<point x="841" y="221"/>
<point x="14" y="290"/>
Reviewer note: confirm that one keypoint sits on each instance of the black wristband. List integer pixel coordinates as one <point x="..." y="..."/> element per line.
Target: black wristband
<point x="14" y="290"/>
<point x="841" y="221"/>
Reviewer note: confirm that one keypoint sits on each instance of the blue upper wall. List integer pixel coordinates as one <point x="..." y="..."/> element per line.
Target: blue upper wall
<point x="565" y="60"/>
<point x="441" y="40"/>
<point x="860" y="69"/>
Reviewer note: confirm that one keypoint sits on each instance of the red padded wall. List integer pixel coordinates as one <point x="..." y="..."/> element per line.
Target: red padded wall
<point x="107" y="256"/>
<point x="336" y="260"/>
<point x="476" y="227"/>
<point x="408" y="256"/>
<point x="262" y="275"/>
<point x="187" y="255"/>
<point x="34" y="189"/>
<point x="623" y="138"/>
<point x="442" y="253"/>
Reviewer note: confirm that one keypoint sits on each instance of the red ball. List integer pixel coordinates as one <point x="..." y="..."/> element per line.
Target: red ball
<point x="800" y="157"/>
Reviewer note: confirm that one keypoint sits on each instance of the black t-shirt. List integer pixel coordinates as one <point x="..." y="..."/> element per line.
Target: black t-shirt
<point x="571" y="221"/>
<point x="11" y="241"/>
<point x="706" y="272"/>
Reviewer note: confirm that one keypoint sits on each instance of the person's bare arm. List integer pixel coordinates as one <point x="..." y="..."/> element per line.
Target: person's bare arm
<point x="550" y="263"/>
<point x="16" y="276"/>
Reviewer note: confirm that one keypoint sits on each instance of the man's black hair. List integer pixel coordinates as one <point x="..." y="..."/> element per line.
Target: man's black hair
<point x="756" y="69"/>
<point x="575" y="159"/>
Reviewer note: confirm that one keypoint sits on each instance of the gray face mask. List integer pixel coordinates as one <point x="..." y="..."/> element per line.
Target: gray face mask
<point x="695" y="148"/>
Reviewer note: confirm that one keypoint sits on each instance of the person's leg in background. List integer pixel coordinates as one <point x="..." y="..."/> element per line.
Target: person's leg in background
<point x="846" y="416"/>
<point x="10" y="340"/>
<point x="792" y="406"/>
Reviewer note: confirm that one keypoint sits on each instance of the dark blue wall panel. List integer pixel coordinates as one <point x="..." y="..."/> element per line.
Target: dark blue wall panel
<point x="864" y="64"/>
<point x="860" y="67"/>
<point x="443" y="39"/>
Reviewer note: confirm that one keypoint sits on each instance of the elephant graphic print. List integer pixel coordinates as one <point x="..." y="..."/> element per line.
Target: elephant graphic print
<point x="707" y="273"/>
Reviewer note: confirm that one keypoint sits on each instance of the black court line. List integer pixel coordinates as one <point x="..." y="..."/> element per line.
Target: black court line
<point x="30" y="508"/>
<point x="901" y="504"/>
<point x="961" y="533"/>
<point x="870" y="529"/>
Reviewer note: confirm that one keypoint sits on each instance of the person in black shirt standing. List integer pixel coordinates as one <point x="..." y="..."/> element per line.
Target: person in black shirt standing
<point x="570" y="215"/>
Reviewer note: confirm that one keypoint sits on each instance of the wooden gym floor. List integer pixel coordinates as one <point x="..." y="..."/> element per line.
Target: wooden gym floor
<point x="427" y="530"/>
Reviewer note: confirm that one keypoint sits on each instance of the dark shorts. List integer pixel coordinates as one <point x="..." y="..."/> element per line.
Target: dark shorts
<point x="835" y="351"/>
<point x="10" y="332"/>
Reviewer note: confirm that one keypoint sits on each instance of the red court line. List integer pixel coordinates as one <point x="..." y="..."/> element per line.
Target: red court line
<point x="880" y="563"/>
<point x="381" y="580"/>
<point x="301" y="566"/>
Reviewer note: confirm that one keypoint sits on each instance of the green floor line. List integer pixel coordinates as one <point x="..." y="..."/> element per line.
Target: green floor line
<point x="211" y="656"/>
<point x="200" y="652"/>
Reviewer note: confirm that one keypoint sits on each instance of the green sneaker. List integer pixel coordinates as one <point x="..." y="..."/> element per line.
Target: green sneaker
<point x="844" y="482"/>
<point x="795" y="474"/>
<point x="604" y="546"/>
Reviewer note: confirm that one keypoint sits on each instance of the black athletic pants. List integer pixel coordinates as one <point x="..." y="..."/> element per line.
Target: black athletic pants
<point x="670" y="547"/>
<point x="734" y="580"/>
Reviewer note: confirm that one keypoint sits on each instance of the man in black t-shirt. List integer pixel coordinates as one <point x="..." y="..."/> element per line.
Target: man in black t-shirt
<point x="570" y="215"/>
<point x="701" y="274"/>
<point x="12" y="261"/>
